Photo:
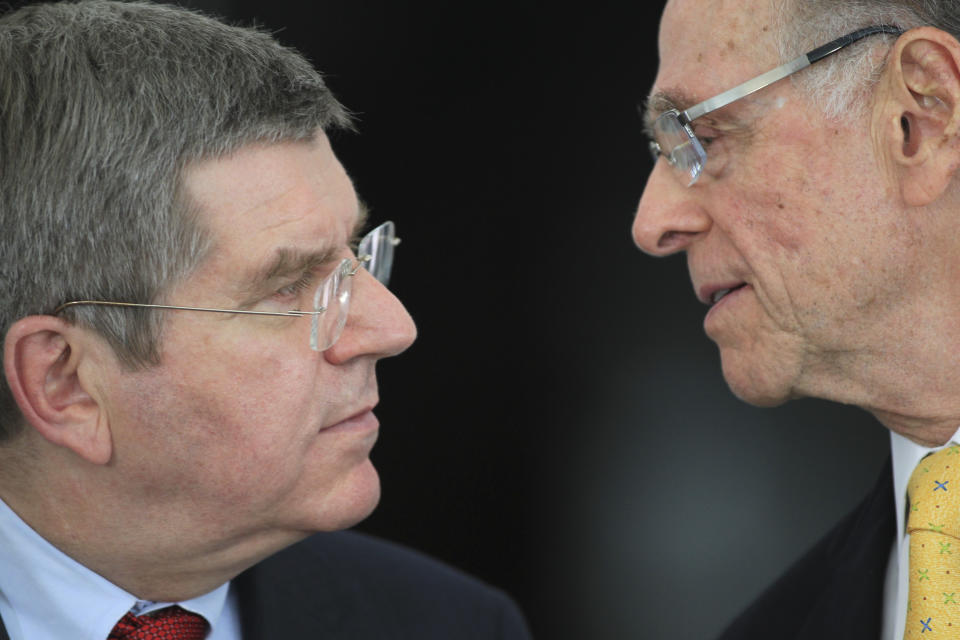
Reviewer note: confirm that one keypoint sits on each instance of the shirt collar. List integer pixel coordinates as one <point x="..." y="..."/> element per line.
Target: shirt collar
<point x="54" y="596"/>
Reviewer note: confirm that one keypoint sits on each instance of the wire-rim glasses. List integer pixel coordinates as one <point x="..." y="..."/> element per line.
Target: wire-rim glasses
<point x="673" y="138"/>
<point x="331" y="300"/>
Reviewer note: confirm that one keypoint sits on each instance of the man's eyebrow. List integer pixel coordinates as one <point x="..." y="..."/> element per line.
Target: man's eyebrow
<point x="287" y="262"/>
<point x="660" y="102"/>
<point x="284" y="263"/>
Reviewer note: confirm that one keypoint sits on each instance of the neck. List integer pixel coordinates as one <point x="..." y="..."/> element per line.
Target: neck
<point x="910" y="383"/>
<point x="148" y="551"/>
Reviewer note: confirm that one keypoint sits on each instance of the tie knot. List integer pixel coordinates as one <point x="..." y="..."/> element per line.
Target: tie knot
<point x="934" y="493"/>
<point x="171" y="623"/>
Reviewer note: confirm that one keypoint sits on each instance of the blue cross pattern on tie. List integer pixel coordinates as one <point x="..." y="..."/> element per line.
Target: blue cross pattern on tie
<point x="933" y="522"/>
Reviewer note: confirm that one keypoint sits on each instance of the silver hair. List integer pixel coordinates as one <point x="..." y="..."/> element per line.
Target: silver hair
<point x="103" y="104"/>
<point x="841" y="83"/>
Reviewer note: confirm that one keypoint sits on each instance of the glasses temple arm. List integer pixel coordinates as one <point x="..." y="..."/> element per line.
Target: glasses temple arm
<point x="832" y="47"/>
<point x="77" y="303"/>
<point x="784" y="70"/>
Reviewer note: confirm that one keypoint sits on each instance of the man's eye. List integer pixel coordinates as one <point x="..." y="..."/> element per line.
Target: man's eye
<point x="706" y="138"/>
<point x="294" y="289"/>
<point x="706" y="135"/>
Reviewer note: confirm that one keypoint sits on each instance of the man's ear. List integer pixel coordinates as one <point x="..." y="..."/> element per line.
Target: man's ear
<point x="42" y="359"/>
<point x="919" y="113"/>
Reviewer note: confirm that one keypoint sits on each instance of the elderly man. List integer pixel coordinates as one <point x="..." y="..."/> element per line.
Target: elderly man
<point x="818" y="211"/>
<point x="192" y="314"/>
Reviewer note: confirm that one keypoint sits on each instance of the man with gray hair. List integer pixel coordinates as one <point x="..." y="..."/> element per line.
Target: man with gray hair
<point x="191" y="315"/>
<point x="817" y="208"/>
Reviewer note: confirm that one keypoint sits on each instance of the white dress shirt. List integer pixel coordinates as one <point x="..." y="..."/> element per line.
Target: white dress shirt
<point x="46" y="595"/>
<point x="906" y="456"/>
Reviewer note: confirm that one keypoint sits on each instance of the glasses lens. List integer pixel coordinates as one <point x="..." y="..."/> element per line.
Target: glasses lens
<point x="679" y="145"/>
<point x="331" y="305"/>
<point x="379" y="244"/>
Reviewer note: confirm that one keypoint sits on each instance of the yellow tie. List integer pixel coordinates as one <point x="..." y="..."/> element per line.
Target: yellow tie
<point x="933" y="605"/>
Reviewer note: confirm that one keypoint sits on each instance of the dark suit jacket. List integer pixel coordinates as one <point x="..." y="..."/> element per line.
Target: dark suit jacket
<point x="348" y="586"/>
<point x="836" y="589"/>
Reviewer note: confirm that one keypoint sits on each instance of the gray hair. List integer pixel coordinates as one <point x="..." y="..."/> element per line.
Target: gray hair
<point x="103" y="105"/>
<point x="841" y="83"/>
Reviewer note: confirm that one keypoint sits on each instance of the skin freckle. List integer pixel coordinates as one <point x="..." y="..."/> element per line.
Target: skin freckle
<point x="700" y="57"/>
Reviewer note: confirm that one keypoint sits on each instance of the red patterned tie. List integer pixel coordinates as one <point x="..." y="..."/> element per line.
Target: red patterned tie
<point x="172" y="623"/>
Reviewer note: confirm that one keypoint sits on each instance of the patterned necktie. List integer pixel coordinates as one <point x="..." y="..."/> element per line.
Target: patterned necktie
<point x="933" y="607"/>
<point x="172" y="623"/>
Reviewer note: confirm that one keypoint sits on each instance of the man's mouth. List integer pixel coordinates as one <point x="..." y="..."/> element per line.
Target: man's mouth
<point x="362" y="416"/>
<point x="719" y="294"/>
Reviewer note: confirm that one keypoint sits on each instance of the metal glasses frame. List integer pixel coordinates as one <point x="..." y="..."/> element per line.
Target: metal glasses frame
<point x="678" y="122"/>
<point x="346" y="268"/>
<point x="292" y="313"/>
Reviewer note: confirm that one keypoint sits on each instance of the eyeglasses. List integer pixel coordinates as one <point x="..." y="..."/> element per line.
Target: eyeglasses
<point x="674" y="139"/>
<point x="331" y="300"/>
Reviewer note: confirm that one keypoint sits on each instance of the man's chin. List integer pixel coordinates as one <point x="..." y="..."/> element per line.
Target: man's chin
<point x="752" y="386"/>
<point x="349" y="502"/>
<point x="355" y="500"/>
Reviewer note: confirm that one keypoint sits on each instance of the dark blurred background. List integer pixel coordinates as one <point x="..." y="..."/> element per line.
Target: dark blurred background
<point x="561" y="428"/>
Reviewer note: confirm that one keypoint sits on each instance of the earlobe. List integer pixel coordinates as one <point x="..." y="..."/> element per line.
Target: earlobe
<point x="920" y="101"/>
<point x="42" y="362"/>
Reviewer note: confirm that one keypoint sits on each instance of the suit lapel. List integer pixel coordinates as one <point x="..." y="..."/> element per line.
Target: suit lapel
<point x="288" y="597"/>
<point x="3" y="631"/>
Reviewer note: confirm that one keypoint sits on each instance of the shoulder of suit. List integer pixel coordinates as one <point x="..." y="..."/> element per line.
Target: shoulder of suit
<point x="369" y="586"/>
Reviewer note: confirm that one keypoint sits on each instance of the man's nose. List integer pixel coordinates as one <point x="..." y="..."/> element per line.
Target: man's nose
<point x="378" y="324"/>
<point x="669" y="217"/>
